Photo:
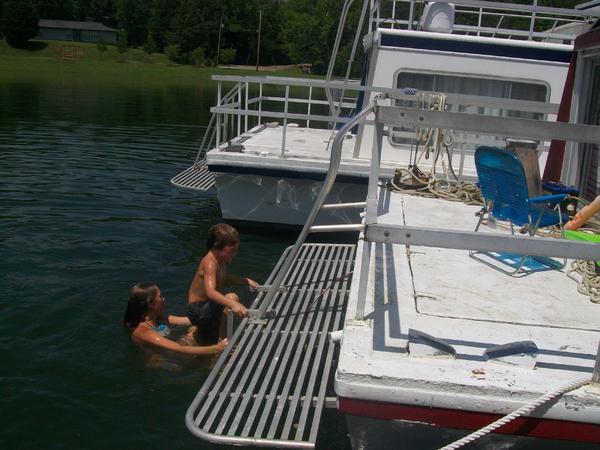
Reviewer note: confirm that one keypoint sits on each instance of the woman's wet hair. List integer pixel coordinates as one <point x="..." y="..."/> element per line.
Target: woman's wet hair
<point x="141" y="296"/>
<point x="222" y="235"/>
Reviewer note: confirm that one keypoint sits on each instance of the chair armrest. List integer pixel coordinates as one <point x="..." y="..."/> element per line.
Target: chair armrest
<point x="552" y="199"/>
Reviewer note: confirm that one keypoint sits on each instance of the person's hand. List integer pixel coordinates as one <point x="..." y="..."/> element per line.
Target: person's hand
<point x="239" y="309"/>
<point x="253" y="284"/>
<point x="221" y="345"/>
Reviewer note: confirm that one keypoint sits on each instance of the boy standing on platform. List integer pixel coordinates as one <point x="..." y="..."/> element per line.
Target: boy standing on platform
<point x="207" y="305"/>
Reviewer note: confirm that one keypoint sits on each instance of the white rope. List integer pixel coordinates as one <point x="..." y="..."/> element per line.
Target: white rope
<point x="433" y="139"/>
<point x="588" y="282"/>
<point x="458" y="191"/>
<point x="525" y="409"/>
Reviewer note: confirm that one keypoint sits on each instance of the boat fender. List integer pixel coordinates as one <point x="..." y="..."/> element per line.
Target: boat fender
<point x="336" y="336"/>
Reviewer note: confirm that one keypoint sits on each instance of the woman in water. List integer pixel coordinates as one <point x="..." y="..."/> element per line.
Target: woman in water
<point x="145" y="318"/>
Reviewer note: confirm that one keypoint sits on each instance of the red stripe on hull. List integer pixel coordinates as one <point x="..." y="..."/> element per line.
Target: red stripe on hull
<point x="469" y="420"/>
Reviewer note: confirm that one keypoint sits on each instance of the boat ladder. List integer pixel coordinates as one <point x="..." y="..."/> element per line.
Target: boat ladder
<point x="270" y="385"/>
<point x="198" y="177"/>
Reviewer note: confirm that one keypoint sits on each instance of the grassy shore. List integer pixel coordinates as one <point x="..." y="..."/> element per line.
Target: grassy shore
<point x="42" y="61"/>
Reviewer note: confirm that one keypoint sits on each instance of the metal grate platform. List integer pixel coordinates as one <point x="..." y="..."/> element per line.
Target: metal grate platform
<point x="196" y="177"/>
<point x="270" y="385"/>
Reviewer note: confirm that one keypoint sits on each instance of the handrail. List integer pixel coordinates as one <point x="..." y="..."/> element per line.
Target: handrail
<point x="334" y="164"/>
<point x="533" y="12"/>
<point x="205" y="144"/>
<point x="396" y="93"/>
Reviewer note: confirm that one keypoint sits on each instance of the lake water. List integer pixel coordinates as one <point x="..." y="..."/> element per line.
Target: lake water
<point x="86" y="211"/>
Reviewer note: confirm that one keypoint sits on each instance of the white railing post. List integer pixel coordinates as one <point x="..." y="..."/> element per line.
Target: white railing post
<point x="285" y="111"/>
<point x="309" y="103"/>
<point x="239" y="115"/>
<point x="260" y="94"/>
<point x="532" y="22"/>
<point x="218" y="115"/>
<point x="246" y="113"/>
<point x="371" y="213"/>
<point x="596" y="374"/>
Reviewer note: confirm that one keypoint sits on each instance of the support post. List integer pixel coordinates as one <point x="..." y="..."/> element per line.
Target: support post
<point x="596" y="374"/>
<point x="309" y="102"/>
<point x="260" y="94"/>
<point x="285" y="111"/>
<point x="246" y="113"/>
<point x="258" y="41"/>
<point x="218" y="115"/>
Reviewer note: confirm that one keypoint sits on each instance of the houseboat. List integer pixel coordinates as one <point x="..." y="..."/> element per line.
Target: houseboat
<point x="268" y="146"/>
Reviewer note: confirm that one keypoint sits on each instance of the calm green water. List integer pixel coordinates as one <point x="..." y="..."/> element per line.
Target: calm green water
<point x="86" y="210"/>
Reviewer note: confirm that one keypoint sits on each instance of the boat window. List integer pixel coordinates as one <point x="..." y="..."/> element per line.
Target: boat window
<point x="455" y="84"/>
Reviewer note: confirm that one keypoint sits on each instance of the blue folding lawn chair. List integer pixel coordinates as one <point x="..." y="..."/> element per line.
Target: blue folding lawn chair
<point x="505" y="197"/>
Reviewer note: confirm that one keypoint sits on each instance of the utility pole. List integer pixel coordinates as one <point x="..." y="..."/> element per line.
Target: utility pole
<point x="219" y="40"/>
<point x="258" y="43"/>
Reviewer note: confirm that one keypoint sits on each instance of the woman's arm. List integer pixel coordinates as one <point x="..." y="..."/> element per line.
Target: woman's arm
<point x="152" y="337"/>
<point x="178" y="320"/>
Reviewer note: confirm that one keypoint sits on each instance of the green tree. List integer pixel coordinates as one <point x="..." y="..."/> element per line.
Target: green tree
<point x="162" y="14"/>
<point x="103" y="11"/>
<point x="19" y="22"/>
<point x="198" y="57"/>
<point x="101" y="45"/>
<point x="55" y="9"/>
<point x="122" y="42"/>
<point x="150" y="45"/>
<point x="195" y="25"/>
<point x="132" y="16"/>
<point x="227" y="55"/>
<point x="172" y="52"/>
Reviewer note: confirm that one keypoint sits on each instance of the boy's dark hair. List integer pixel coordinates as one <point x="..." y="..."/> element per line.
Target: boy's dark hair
<point x="222" y="235"/>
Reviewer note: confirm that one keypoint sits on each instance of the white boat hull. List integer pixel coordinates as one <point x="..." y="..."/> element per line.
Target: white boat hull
<point x="285" y="201"/>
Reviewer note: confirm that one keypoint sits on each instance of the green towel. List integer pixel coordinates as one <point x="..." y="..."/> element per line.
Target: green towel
<point x="582" y="236"/>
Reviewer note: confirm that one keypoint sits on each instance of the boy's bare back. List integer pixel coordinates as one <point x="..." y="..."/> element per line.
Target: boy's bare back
<point x="209" y="270"/>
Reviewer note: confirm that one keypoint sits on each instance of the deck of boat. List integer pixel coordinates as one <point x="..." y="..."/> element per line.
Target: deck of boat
<point x="471" y="306"/>
<point x="270" y="385"/>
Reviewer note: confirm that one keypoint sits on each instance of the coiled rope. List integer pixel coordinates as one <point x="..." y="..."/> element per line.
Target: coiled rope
<point x="525" y="409"/>
<point x="456" y="191"/>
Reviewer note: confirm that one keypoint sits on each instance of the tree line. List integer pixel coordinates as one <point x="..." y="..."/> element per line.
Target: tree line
<point x="208" y="31"/>
<point x="291" y="32"/>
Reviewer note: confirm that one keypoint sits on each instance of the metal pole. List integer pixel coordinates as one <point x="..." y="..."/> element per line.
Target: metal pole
<point x="532" y="22"/>
<point x="219" y="40"/>
<point x="218" y="115"/>
<point x="239" y="114"/>
<point x="285" y="111"/>
<point x="258" y="43"/>
<point x="371" y="213"/>
<point x="334" y="164"/>
<point x="596" y="374"/>
<point x="260" y="94"/>
<point x="309" y="102"/>
<point x="246" y="114"/>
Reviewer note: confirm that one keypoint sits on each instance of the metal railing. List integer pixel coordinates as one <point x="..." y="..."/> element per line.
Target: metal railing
<point x="387" y="115"/>
<point x="245" y="105"/>
<point x="486" y="18"/>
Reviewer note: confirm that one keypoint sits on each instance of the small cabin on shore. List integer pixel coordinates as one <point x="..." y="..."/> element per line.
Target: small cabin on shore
<point x="68" y="30"/>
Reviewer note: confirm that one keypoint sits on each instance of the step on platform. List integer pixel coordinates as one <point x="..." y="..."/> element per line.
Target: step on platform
<point x="196" y="177"/>
<point x="270" y="385"/>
